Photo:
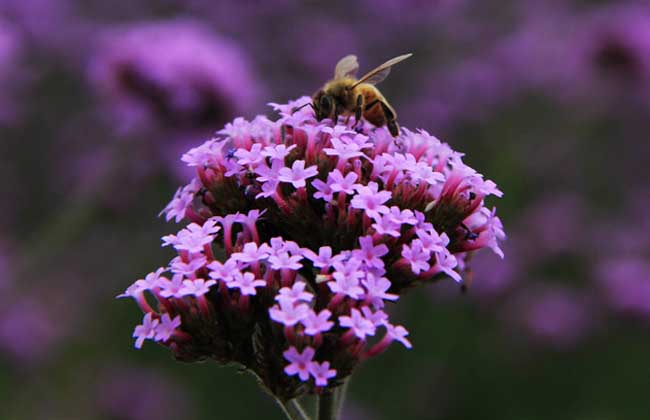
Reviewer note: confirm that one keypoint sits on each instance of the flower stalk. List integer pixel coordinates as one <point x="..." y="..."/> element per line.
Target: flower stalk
<point x="292" y="409"/>
<point x="326" y="407"/>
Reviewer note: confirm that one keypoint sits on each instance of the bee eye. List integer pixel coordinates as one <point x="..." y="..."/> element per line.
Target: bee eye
<point x="325" y="103"/>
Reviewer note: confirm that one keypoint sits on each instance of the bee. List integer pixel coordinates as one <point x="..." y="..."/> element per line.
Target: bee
<point x="345" y="95"/>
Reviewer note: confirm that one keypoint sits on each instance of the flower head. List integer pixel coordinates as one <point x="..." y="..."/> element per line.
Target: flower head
<point x="299" y="233"/>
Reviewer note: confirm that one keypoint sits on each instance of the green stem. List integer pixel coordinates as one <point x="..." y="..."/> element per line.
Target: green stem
<point x="292" y="409"/>
<point x="339" y="397"/>
<point x="326" y="409"/>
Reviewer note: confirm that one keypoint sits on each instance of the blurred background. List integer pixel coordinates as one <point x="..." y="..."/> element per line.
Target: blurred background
<point x="549" y="99"/>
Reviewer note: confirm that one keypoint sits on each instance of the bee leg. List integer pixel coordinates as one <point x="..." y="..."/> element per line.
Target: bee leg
<point x="391" y="123"/>
<point x="358" y="110"/>
<point x="298" y="108"/>
<point x="371" y="104"/>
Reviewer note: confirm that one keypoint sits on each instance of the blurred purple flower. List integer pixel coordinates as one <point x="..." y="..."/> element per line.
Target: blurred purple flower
<point x="495" y="276"/>
<point x="625" y="285"/>
<point x="137" y="394"/>
<point x="557" y="222"/>
<point x="319" y="52"/>
<point x="413" y="11"/>
<point x="11" y="51"/>
<point x="616" y="42"/>
<point x="553" y="316"/>
<point x="176" y="74"/>
<point x="46" y="22"/>
<point x="27" y="331"/>
<point x="594" y="59"/>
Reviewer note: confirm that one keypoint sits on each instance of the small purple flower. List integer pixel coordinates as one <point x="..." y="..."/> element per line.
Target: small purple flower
<point x="317" y="323"/>
<point x="288" y="313"/>
<point x="279" y="245"/>
<point x="422" y="172"/>
<point x="398" y="333"/>
<point x="207" y="154"/>
<point x="417" y="256"/>
<point x="346" y="284"/>
<point x="187" y="269"/>
<point x="429" y="239"/>
<point x="246" y="283"/>
<point x="369" y="253"/>
<point x="252" y="157"/>
<point x="345" y="150"/>
<point x="378" y="318"/>
<point x="166" y="327"/>
<point x="277" y="152"/>
<point x="401" y="217"/>
<point x="181" y="201"/>
<point x="134" y="291"/>
<point x="371" y="200"/>
<point x="339" y="183"/>
<point x="321" y="372"/>
<point x="147" y="330"/>
<point x="361" y="326"/>
<point x="233" y="168"/>
<point x="192" y="239"/>
<point x="251" y="253"/>
<point x="269" y="189"/>
<point x="385" y="225"/>
<point x="209" y="227"/>
<point x="173" y="287"/>
<point x="323" y="190"/>
<point x="338" y="131"/>
<point x="294" y="294"/>
<point x="322" y="260"/>
<point x="300" y="362"/>
<point x="446" y="262"/>
<point x="376" y="288"/>
<point x="297" y="175"/>
<point x="197" y="287"/>
<point x="150" y="282"/>
<point x="285" y="261"/>
<point x="223" y="271"/>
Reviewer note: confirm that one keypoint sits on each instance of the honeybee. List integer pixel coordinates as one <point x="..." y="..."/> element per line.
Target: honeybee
<point x="345" y="95"/>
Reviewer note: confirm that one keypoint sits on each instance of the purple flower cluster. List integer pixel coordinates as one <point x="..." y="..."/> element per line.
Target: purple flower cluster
<point x="600" y="59"/>
<point x="299" y="234"/>
<point x="11" y="52"/>
<point x="174" y="74"/>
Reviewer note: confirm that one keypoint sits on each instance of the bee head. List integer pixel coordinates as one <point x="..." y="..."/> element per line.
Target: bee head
<point x="323" y="104"/>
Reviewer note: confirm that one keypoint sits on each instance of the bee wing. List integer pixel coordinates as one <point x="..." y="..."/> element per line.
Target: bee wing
<point x="379" y="73"/>
<point x="346" y="67"/>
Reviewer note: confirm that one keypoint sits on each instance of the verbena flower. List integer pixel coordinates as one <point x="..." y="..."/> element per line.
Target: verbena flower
<point x="175" y="74"/>
<point x="306" y="230"/>
<point x="11" y="68"/>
